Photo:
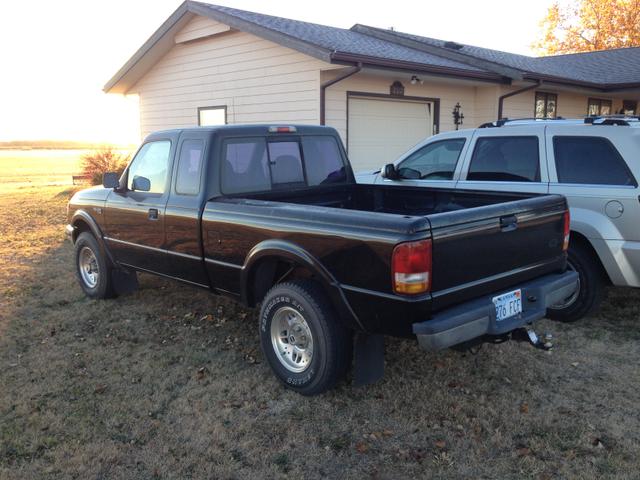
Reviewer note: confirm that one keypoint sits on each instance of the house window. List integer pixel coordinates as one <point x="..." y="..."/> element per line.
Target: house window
<point x="546" y="104"/>
<point x="629" y="107"/>
<point x="210" y="116"/>
<point x="597" y="106"/>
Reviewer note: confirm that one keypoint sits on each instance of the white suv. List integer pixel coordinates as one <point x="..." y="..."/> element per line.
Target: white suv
<point x="594" y="162"/>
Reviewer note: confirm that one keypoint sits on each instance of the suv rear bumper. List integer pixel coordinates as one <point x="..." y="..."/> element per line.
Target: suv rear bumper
<point x="475" y="318"/>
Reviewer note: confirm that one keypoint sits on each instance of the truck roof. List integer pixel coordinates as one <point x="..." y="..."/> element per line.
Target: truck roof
<point x="255" y="129"/>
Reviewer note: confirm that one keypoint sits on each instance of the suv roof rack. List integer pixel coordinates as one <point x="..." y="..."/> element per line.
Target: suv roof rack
<point x="615" y="120"/>
<point x="505" y="121"/>
<point x="623" y="120"/>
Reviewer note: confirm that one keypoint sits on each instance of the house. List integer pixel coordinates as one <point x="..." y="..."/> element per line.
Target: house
<point x="382" y="90"/>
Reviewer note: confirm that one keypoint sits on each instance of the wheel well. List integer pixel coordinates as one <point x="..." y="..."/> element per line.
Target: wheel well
<point x="81" y="226"/>
<point x="268" y="272"/>
<point x="578" y="238"/>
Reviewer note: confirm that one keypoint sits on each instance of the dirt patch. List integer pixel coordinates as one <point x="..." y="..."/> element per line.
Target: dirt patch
<point x="169" y="382"/>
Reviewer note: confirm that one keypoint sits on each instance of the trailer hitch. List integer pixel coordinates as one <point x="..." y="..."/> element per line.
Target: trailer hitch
<point x="543" y="343"/>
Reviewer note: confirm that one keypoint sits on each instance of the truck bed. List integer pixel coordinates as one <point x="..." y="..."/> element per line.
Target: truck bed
<point x="349" y="226"/>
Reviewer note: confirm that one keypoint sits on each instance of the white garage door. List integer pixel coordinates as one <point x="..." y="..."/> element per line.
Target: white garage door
<point x="380" y="129"/>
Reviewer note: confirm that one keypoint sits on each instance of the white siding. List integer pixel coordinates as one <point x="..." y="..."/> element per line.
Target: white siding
<point x="258" y="81"/>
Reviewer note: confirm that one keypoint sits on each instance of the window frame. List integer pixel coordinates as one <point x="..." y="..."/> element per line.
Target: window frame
<point x="600" y="185"/>
<point x="599" y="102"/>
<point x="169" y="164"/>
<point x="546" y="102"/>
<point x="427" y="145"/>
<point x="539" y="167"/>
<point x="201" y="168"/>
<point x="213" y="107"/>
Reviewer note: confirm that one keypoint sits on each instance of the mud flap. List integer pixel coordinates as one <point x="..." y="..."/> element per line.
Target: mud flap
<point x="124" y="281"/>
<point x="368" y="359"/>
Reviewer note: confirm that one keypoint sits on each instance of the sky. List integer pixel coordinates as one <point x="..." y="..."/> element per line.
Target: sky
<point x="55" y="56"/>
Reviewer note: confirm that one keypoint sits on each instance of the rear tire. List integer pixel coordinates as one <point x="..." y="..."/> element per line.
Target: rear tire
<point x="590" y="287"/>
<point x="92" y="268"/>
<point x="302" y="338"/>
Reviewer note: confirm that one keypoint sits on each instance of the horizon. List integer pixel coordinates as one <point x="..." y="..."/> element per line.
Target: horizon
<point x="58" y="96"/>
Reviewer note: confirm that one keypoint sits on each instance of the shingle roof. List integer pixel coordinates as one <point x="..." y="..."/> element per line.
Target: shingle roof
<point x="339" y="39"/>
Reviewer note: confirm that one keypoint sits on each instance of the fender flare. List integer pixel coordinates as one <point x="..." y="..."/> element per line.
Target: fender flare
<point x="284" y="250"/>
<point x="84" y="216"/>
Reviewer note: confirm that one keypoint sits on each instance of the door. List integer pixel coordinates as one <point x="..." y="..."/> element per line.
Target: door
<point x="380" y="130"/>
<point x="591" y="171"/>
<point x="134" y="217"/>
<point x="507" y="159"/>
<point x="182" y="217"/>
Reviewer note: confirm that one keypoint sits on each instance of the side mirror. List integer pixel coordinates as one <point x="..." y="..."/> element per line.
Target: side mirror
<point x="110" y="180"/>
<point x="389" y="171"/>
<point x="141" y="184"/>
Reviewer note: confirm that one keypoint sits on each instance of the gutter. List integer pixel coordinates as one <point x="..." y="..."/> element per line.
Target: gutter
<point x="345" y="74"/>
<point x="515" y="92"/>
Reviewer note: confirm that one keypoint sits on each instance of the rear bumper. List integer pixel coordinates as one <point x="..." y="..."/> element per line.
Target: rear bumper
<point x="475" y="318"/>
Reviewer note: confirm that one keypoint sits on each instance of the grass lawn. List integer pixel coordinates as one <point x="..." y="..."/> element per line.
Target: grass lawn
<point x="169" y="382"/>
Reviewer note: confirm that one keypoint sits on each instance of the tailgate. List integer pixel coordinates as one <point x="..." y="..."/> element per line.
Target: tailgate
<point x="480" y="250"/>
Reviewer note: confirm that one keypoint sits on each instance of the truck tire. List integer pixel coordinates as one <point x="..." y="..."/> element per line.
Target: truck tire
<point x="92" y="268"/>
<point x="306" y="345"/>
<point x="590" y="287"/>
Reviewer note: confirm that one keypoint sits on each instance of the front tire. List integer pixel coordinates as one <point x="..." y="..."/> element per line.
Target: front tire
<point x="92" y="268"/>
<point x="590" y="286"/>
<point x="306" y="345"/>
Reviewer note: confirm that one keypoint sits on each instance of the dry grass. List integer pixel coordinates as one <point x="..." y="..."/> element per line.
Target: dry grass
<point x="169" y="383"/>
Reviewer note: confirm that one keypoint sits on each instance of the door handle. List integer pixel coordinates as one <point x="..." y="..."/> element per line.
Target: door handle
<point x="509" y="223"/>
<point x="153" y="214"/>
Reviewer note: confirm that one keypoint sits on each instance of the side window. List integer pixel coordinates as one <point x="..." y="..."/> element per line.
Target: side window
<point x="323" y="160"/>
<point x="245" y="167"/>
<point x="436" y="161"/>
<point x="590" y="160"/>
<point x="286" y="163"/>
<point x="506" y="159"/>
<point x="150" y="164"/>
<point x="189" y="167"/>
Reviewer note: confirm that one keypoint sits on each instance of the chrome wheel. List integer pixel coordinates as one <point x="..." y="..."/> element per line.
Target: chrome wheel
<point x="291" y="339"/>
<point x="88" y="267"/>
<point x="567" y="302"/>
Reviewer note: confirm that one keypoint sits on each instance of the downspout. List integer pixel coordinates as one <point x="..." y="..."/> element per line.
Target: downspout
<point x="347" y="73"/>
<point x="515" y="92"/>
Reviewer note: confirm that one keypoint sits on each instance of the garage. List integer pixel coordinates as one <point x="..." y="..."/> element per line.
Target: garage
<point x="380" y="129"/>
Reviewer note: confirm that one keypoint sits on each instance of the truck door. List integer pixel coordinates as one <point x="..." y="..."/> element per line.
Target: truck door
<point x="134" y="217"/>
<point x="184" y="210"/>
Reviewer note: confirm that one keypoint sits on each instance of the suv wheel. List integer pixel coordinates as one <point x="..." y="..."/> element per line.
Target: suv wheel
<point x="304" y="342"/>
<point x="590" y="291"/>
<point x="92" y="269"/>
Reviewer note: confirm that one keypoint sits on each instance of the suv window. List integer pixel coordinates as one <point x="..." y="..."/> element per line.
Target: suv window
<point x="151" y="162"/>
<point x="590" y="160"/>
<point x="189" y="167"/>
<point x="436" y="161"/>
<point x="506" y="159"/>
<point x="254" y="165"/>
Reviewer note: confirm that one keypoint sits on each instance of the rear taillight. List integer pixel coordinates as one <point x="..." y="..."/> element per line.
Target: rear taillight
<point x="411" y="267"/>
<point x="567" y="230"/>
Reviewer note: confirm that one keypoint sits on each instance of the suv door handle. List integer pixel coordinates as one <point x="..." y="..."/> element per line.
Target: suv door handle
<point x="509" y="223"/>
<point x="153" y="214"/>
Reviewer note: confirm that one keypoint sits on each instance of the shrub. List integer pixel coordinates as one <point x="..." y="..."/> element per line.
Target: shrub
<point x="105" y="159"/>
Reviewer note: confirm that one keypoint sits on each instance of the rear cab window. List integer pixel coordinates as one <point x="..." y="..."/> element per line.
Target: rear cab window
<point x="255" y="164"/>
<point x="590" y="160"/>
<point x="505" y="159"/>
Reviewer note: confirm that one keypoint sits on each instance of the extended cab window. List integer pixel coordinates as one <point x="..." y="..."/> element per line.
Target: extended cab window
<point x="189" y="167"/>
<point x="253" y="164"/>
<point x="590" y="160"/>
<point x="506" y="159"/>
<point x="436" y="161"/>
<point x="148" y="170"/>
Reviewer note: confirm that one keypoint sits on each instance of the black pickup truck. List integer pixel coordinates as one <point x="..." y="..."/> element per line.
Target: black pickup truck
<point x="272" y="216"/>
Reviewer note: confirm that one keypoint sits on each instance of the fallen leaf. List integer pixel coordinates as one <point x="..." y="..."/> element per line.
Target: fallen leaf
<point x="362" y="447"/>
<point x="524" y="407"/>
<point x="596" y="442"/>
<point x="523" y="452"/>
<point x="575" y="364"/>
<point x="201" y="373"/>
<point x="387" y="433"/>
<point x="100" y="389"/>
<point x="441" y="444"/>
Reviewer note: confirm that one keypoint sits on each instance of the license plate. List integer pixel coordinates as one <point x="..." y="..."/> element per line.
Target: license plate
<point x="508" y="304"/>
